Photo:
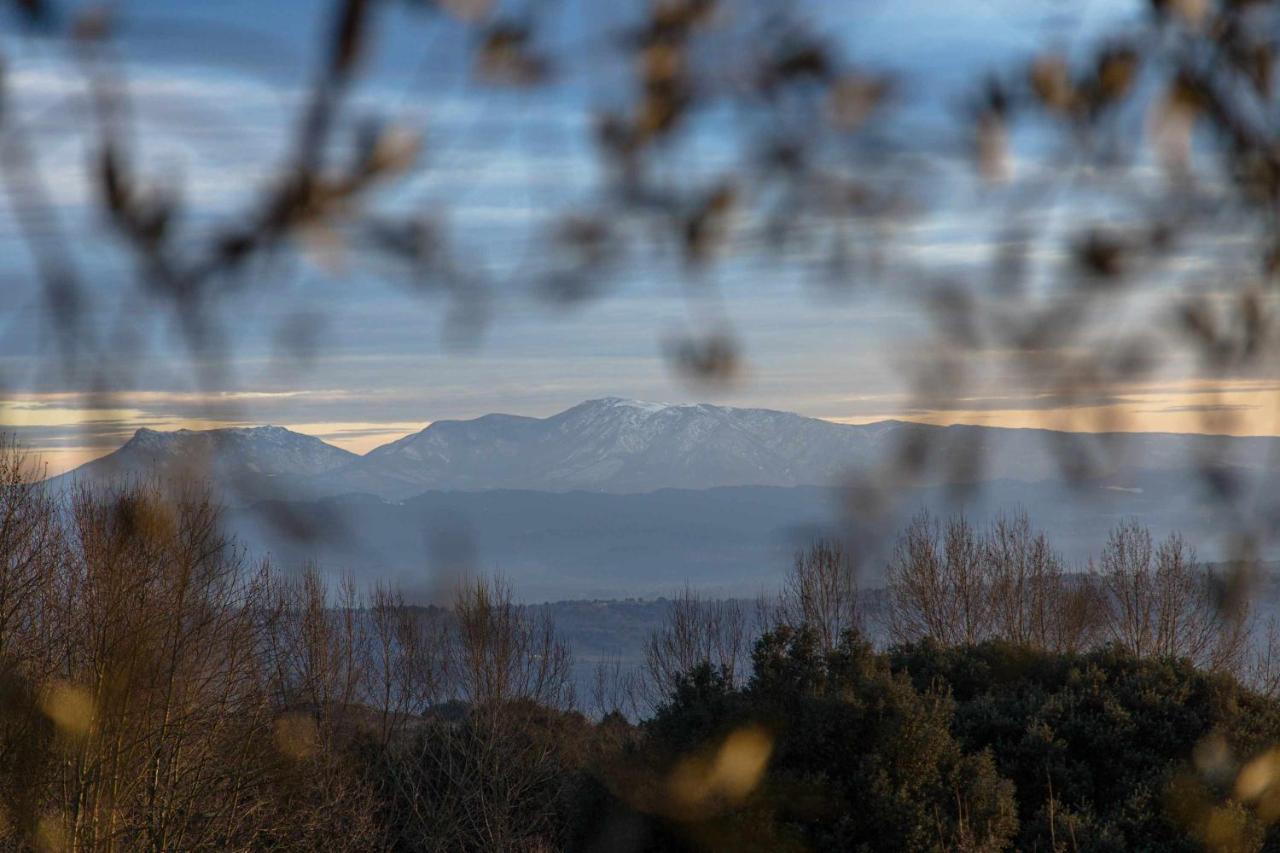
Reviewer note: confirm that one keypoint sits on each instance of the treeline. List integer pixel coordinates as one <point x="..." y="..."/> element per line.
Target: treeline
<point x="957" y="585"/>
<point x="158" y="691"/>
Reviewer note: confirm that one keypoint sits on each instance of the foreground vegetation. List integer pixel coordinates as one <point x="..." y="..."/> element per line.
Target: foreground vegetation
<point x="158" y="691"/>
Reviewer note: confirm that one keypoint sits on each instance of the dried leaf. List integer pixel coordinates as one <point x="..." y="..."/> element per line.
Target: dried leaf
<point x="992" y="142"/>
<point x="468" y="11"/>
<point x="395" y="150"/>
<point x="853" y="98"/>
<point x="1101" y="254"/>
<point x="506" y="57"/>
<point x="115" y="191"/>
<point x="1051" y="82"/>
<point x="713" y="358"/>
<point x="1171" y="124"/>
<point x="1117" y="68"/>
<point x="93" y="23"/>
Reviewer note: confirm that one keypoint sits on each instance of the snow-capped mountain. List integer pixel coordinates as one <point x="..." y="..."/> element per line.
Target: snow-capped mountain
<point x="623" y="446"/>
<point x="247" y="459"/>
<point x="617" y="496"/>
<point x="626" y="446"/>
<point x="616" y="445"/>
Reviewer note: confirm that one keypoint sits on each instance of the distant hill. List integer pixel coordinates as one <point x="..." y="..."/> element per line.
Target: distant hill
<point x="244" y="463"/>
<point x="728" y="542"/>
<point x="617" y="497"/>
<point x="624" y="446"/>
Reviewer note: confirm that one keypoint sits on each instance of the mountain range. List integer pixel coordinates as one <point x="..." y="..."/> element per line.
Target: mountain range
<point x="618" y="497"/>
<point x="626" y="446"/>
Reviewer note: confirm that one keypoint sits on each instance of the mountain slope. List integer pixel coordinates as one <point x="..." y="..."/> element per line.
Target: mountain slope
<point x="625" y="446"/>
<point x="615" y="445"/>
<point x="621" y="446"/>
<point x="252" y="461"/>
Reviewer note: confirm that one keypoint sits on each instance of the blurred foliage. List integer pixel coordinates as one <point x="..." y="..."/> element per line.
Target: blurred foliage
<point x="1161" y="146"/>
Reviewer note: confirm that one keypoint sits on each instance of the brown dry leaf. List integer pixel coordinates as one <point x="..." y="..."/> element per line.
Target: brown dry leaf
<point x="395" y="151"/>
<point x="323" y="245"/>
<point x="854" y="98"/>
<point x="467" y="11"/>
<point x="1117" y="69"/>
<point x="1170" y="126"/>
<point x="93" y="23"/>
<point x="1212" y="755"/>
<point x="994" y="161"/>
<point x="714" y="358"/>
<point x="1051" y="81"/>
<point x="661" y="62"/>
<point x="657" y="115"/>
<point x="505" y="58"/>
<point x="1192" y="12"/>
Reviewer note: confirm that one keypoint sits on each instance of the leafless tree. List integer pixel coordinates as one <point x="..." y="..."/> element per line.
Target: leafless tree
<point x="485" y="781"/>
<point x="1034" y="601"/>
<point x="1160" y="602"/>
<point x="315" y="646"/>
<point x="956" y="586"/>
<point x="160" y="713"/>
<point x="405" y="665"/>
<point x="616" y="689"/>
<point x="821" y="592"/>
<point x="502" y="653"/>
<point x="1262" y="669"/>
<point x="937" y="583"/>
<point x="696" y="631"/>
<point x="29" y="547"/>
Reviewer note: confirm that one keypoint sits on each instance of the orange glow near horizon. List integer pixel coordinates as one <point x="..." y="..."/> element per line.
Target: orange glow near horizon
<point x="356" y="437"/>
<point x="1241" y="408"/>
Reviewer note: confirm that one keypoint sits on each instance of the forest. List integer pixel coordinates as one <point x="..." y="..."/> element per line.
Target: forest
<point x="160" y="690"/>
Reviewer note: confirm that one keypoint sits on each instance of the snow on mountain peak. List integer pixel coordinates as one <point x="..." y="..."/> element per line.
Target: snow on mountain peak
<point x="612" y="444"/>
<point x="625" y="403"/>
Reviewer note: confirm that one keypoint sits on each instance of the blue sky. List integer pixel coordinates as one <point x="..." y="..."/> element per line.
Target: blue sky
<point x="214" y="88"/>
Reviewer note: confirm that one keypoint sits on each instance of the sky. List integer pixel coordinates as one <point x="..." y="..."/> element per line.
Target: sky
<point x="333" y="343"/>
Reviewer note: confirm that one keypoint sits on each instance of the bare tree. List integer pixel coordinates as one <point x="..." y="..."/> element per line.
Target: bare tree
<point x="404" y="665"/>
<point x="314" y="645"/>
<point x="1034" y="602"/>
<point x="696" y="631"/>
<point x="938" y="585"/>
<point x="616" y="689"/>
<point x="160" y="711"/>
<point x="1262" y="669"/>
<point x="486" y="780"/>
<point x="29" y="547"/>
<point x="1160" y="602"/>
<point x="954" y="586"/>
<point x="821" y="592"/>
<point x="502" y="653"/>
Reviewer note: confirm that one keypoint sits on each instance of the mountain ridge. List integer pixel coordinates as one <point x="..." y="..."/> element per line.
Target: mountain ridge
<point x="620" y="445"/>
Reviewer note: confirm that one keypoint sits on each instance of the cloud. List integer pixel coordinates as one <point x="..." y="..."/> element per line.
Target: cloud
<point x="1201" y="408"/>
